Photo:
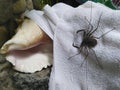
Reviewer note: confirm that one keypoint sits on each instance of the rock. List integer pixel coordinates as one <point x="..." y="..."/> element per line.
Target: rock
<point x="11" y="27"/>
<point x="19" y="6"/>
<point x="13" y="80"/>
<point x="5" y="78"/>
<point x="38" y="4"/>
<point x="3" y="35"/>
<point x="5" y="10"/>
<point x="29" y="4"/>
<point x="35" y="81"/>
<point x="2" y="59"/>
<point x="6" y="81"/>
<point x="5" y="66"/>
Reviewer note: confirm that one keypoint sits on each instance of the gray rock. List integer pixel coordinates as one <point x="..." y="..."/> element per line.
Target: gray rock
<point x="29" y="4"/>
<point x="38" y="4"/>
<point x="2" y="59"/>
<point x="14" y="80"/>
<point x="11" y="27"/>
<point x="6" y="81"/>
<point x="35" y="81"/>
<point x="5" y="77"/>
<point x="3" y="35"/>
<point x="5" y="10"/>
<point x="19" y="6"/>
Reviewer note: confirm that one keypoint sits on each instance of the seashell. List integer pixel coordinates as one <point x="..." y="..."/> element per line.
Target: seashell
<point x="28" y="35"/>
<point x="30" y="49"/>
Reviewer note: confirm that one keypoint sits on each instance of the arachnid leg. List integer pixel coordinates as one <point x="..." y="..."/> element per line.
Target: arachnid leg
<point x="86" y="55"/>
<point x="97" y="61"/>
<point x="75" y="46"/>
<point x="82" y="30"/>
<point x="92" y="31"/>
<point x="90" y="25"/>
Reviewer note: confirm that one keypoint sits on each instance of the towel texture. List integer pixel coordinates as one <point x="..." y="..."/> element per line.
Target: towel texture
<point x="94" y="68"/>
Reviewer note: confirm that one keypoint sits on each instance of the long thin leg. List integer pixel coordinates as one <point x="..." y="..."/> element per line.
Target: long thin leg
<point x="75" y="54"/>
<point x="86" y="55"/>
<point x="87" y="52"/>
<point x="91" y="13"/>
<point x="87" y="74"/>
<point x="92" y="31"/>
<point x="75" y="46"/>
<point x="90" y="26"/>
<point x="97" y="61"/>
<point x="105" y="33"/>
<point x="82" y="30"/>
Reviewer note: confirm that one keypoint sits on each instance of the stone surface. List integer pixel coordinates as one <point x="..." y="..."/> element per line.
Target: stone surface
<point x="29" y="5"/>
<point x="3" y="35"/>
<point x="19" y="6"/>
<point x="11" y="27"/>
<point x="5" y="81"/>
<point x="35" y="81"/>
<point x="5" y="10"/>
<point x="14" y="80"/>
<point x="38" y="4"/>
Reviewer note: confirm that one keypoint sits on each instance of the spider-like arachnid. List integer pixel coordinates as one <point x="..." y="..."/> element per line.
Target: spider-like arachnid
<point x="89" y="41"/>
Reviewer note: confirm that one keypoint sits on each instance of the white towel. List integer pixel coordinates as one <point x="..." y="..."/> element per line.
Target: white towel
<point x="61" y="22"/>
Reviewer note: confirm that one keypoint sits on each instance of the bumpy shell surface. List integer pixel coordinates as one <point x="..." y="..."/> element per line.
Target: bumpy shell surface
<point x="30" y="49"/>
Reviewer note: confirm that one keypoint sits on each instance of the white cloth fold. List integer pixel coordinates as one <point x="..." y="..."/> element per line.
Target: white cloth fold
<point x="61" y="22"/>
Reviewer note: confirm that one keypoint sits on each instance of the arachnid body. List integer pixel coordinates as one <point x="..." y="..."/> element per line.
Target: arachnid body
<point x="89" y="41"/>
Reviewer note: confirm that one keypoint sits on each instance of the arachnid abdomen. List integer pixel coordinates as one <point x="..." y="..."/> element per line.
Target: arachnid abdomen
<point x="89" y="42"/>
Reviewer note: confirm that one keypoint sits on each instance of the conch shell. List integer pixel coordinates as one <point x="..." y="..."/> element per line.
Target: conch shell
<point x="30" y="49"/>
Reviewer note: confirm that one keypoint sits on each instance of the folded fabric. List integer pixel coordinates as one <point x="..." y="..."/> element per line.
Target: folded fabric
<point x="80" y="63"/>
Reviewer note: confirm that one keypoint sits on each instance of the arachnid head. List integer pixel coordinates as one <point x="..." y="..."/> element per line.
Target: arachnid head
<point x="89" y="42"/>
